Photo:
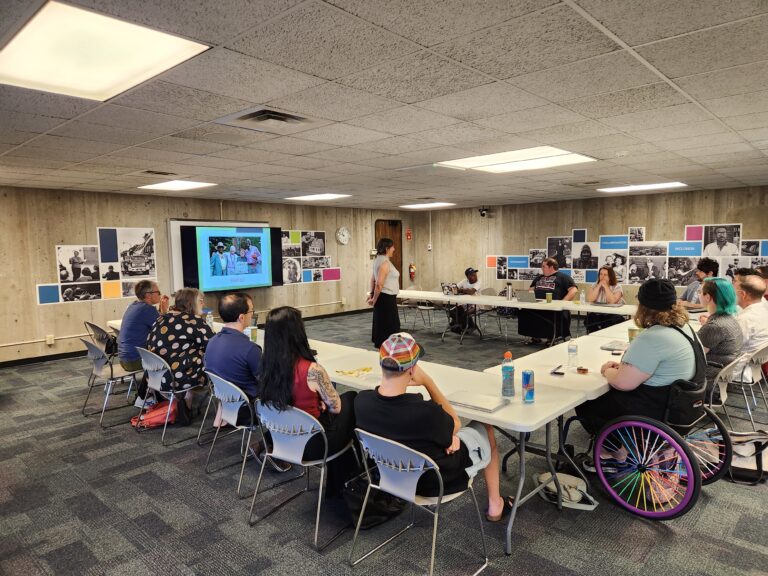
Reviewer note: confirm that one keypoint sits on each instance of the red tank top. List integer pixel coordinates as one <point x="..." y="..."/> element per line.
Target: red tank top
<point x="303" y="397"/>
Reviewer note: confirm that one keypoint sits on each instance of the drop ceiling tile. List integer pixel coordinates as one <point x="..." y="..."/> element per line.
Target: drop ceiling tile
<point x="323" y="41"/>
<point x="751" y="77"/>
<point x="347" y="154"/>
<point x="658" y="157"/>
<point x="210" y="22"/>
<point x="698" y="141"/>
<point x="236" y="75"/>
<point x="76" y="144"/>
<point x="534" y="42"/>
<point x="333" y="101"/>
<point x="616" y="141"/>
<point x="176" y="100"/>
<point x="252" y="155"/>
<point x="184" y="145"/>
<point x="711" y="49"/>
<point x="756" y="134"/>
<point x="458" y="134"/>
<point x="214" y="162"/>
<point x="656" y="118"/>
<point x="30" y="101"/>
<point x="657" y="95"/>
<point x="34" y="165"/>
<point x="701" y="153"/>
<point x="650" y="20"/>
<point x="748" y="121"/>
<point x="50" y="153"/>
<point x="566" y="132"/>
<point x="403" y="120"/>
<point x="225" y="135"/>
<point x="133" y="119"/>
<point x="731" y="159"/>
<point x="102" y="133"/>
<point x="21" y="121"/>
<point x="414" y="78"/>
<point x="501" y="144"/>
<point x="439" y="154"/>
<point x="605" y="73"/>
<point x="483" y="101"/>
<point x="531" y="119"/>
<point x="291" y="145"/>
<point x="342" y="135"/>
<point x="738" y="105"/>
<point x="153" y="155"/>
<point x="15" y="137"/>
<point x="395" y="145"/>
<point x="429" y="22"/>
<point x="685" y="130"/>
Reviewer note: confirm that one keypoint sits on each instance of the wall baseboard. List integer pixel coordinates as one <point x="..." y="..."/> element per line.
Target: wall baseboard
<point x="38" y="359"/>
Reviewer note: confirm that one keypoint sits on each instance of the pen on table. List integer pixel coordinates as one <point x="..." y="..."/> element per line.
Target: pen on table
<point x="557" y="368"/>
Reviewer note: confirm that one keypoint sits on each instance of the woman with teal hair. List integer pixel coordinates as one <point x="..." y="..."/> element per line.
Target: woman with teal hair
<point x="720" y="333"/>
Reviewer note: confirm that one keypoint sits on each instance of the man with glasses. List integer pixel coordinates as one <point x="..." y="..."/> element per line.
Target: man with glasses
<point x="137" y="322"/>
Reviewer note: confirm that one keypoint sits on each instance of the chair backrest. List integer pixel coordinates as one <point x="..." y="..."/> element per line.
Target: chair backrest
<point x="400" y="467"/>
<point x="156" y="368"/>
<point x="291" y="429"/>
<point x="99" y="336"/>
<point x="97" y="356"/>
<point x="726" y="375"/>
<point x="760" y="356"/>
<point x="231" y="398"/>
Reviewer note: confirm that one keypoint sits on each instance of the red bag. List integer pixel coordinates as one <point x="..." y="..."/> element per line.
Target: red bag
<point x="154" y="417"/>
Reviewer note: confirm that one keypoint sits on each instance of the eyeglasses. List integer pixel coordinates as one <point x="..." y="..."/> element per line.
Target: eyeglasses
<point x="154" y="292"/>
<point x="250" y="311"/>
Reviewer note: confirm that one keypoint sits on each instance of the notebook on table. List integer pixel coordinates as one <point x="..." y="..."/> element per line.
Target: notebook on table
<point x="615" y="345"/>
<point x="475" y="401"/>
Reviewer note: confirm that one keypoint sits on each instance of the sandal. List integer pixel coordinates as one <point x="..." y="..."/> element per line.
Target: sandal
<point x="504" y="511"/>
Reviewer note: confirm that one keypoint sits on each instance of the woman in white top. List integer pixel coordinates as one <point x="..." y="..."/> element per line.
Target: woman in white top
<point x="606" y="290"/>
<point x="385" y="285"/>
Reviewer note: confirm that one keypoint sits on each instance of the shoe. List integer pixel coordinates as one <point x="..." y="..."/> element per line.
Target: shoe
<point x="139" y="402"/>
<point x="608" y="465"/>
<point x="508" y="502"/>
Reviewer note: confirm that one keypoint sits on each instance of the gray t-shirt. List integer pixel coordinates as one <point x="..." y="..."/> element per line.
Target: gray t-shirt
<point x="392" y="281"/>
<point x="691" y="293"/>
<point x="723" y="337"/>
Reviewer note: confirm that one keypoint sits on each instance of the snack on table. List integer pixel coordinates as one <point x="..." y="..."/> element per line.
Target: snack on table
<point x="356" y="372"/>
<point x="582" y="370"/>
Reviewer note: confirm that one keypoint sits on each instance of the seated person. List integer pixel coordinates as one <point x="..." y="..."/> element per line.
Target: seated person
<point x="180" y="337"/>
<point x="537" y="324"/>
<point x="667" y="350"/>
<point x="231" y="355"/>
<point x="706" y="268"/>
<point x="290" y="376"/>
<point x="137" y="321"/>
<point x="753" y="318"/>
<point x="720" y="333"/>
<point x="762" y="271"/>
<point x="111" y="274"/>
<point x="606" y="290"/>
<point x="219" y="261"/>
<point x="429" y="426"/>
<point x="461" y="314"/>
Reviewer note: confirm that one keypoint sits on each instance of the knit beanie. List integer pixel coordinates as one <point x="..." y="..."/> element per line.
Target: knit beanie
<point x="657" y="294"/>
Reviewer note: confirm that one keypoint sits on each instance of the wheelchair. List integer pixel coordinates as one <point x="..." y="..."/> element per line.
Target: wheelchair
<point x="657" y="469"/>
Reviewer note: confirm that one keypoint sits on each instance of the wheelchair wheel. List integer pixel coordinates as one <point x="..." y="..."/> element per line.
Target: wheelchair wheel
<point x="654" y="473"/>
<point x="710" y="443"/>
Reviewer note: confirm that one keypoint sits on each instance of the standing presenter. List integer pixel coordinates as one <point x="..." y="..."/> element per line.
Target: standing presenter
<point x="385" y="285"/>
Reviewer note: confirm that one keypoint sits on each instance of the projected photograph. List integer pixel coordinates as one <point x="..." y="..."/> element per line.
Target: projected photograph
<point x="721" y="240"/>
<point x="536" y="257"/>
<point x="585" y="255"/>
<point x="80" y="292"/>
<point x="680" y="270"/>
<point x="312" y="243"/>
<point x="643" y="268"/>
<point x="291" y="270"/>
<point x="231" y="258"/>
<point x="559" y="248"/>
<point x="137" y="251"/>
<point x="78" y="263"/>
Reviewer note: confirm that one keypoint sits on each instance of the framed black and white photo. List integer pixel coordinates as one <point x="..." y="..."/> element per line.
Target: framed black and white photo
<point x="78" y="263"/>
<point x="501" y="267"/>
<point x="312" y="243"/>
<point x="636" y="233"/>
<point x="559" y="248"/>
<point x="721" y="240"/>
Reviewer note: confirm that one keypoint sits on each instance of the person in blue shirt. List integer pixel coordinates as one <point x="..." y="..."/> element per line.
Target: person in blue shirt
<point x="137" y="322"/>
<point x="219" y="261"/>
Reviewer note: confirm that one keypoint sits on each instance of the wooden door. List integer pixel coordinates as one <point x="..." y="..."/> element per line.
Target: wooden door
<point x="392" y="229"/>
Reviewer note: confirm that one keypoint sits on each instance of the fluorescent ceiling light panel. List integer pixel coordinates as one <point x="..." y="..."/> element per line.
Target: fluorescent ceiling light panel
<point x="640" y="187"/>
<point x="428" y="205"/>
<point x="177" y="185"/>
<point x="504" y="157"/>
<point x="319" y="197"/>
<point x="71" y="51"/>
<point x="537" y="163"/>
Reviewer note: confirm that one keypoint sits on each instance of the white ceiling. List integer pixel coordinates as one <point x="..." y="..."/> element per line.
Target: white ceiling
<point x="655" y="90"/>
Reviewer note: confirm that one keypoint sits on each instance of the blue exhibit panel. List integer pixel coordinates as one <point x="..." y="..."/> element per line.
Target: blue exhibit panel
<point x="763" y="247"/>
<point x="108" y="244"/>
<point x="690" y="249"/>
<point x="517" y="261"/>
<point x="306" y="275"/>
<point x="48" y="294"/>
<point x="579" y="234"/>
<point x="614" y="242"/>
<point x="566" y="271"/>
<point x="591" y="276"/>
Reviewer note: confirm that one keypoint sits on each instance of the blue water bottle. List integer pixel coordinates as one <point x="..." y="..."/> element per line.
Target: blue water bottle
<point x="507" y="376"/>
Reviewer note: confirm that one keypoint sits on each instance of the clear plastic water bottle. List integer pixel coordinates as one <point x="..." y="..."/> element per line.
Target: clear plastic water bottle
<point x="209" y="318"/>
<point x="582" y="297"/>
<point x="507" y="376"/>
<point x="573" y="353"/>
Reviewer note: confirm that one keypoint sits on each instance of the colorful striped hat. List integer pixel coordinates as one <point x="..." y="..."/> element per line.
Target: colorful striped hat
<point x="399" y="352"/>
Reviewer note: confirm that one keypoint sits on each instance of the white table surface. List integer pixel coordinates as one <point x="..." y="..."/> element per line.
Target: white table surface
<point x="479" y="300"/>
<point x="550" y="403"/>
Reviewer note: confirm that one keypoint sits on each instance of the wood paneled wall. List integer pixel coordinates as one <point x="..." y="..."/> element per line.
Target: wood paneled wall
<point x="33" y="222"/>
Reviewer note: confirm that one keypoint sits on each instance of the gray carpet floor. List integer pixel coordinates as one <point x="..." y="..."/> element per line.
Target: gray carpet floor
<point x="76" y="499"/>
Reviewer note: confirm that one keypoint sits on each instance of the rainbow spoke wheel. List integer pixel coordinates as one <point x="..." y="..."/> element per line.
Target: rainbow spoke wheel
<point x="710" y="443"/>
<point x="647" y="468"/>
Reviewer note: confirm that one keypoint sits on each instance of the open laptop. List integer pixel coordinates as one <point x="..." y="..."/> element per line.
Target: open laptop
<point x="525" y="296"/>
<point x="449" y="289"/>
<point x="475" y="401"/>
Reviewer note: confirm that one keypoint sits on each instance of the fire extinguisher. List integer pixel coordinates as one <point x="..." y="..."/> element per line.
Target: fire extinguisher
<point x="412" y="271"/>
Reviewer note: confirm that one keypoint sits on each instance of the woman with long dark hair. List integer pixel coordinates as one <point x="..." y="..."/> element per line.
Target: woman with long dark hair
<point x="385" y="285"/>
<point x="290" y="376"/>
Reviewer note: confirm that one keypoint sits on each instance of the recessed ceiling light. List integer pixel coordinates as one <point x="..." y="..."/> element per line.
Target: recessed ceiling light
<point x="427" y="205"/>
<point x="515" y="160"/>
<point x="177" y="185"/>
<point x="639" y="187"/>
<point x="319" y="197"/>
<point x="76" y="52"/>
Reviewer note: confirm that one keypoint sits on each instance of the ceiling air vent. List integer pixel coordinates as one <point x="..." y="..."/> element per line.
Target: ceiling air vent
<point x="265" y="115"/>
<point x="157" y="173"/>
<point x="260" y="119"/>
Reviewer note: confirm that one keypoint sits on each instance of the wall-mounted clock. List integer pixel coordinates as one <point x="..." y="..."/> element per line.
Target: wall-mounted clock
<point x="343" y="235"/>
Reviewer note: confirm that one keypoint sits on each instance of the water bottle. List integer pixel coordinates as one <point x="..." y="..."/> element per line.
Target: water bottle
<point x="509" y="291"/>
<point x="573" y="353"/>
<point x="209" y="318"/>
<point x="582" y="297"/>
<point x="507" y="376"/>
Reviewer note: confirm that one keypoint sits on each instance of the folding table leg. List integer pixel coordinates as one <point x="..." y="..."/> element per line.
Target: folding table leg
<point x="518" y="494"/>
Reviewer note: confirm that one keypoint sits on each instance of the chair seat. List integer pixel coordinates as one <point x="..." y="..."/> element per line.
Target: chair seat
<point x="117" y="372"/>
<point x="432" y="500"/>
